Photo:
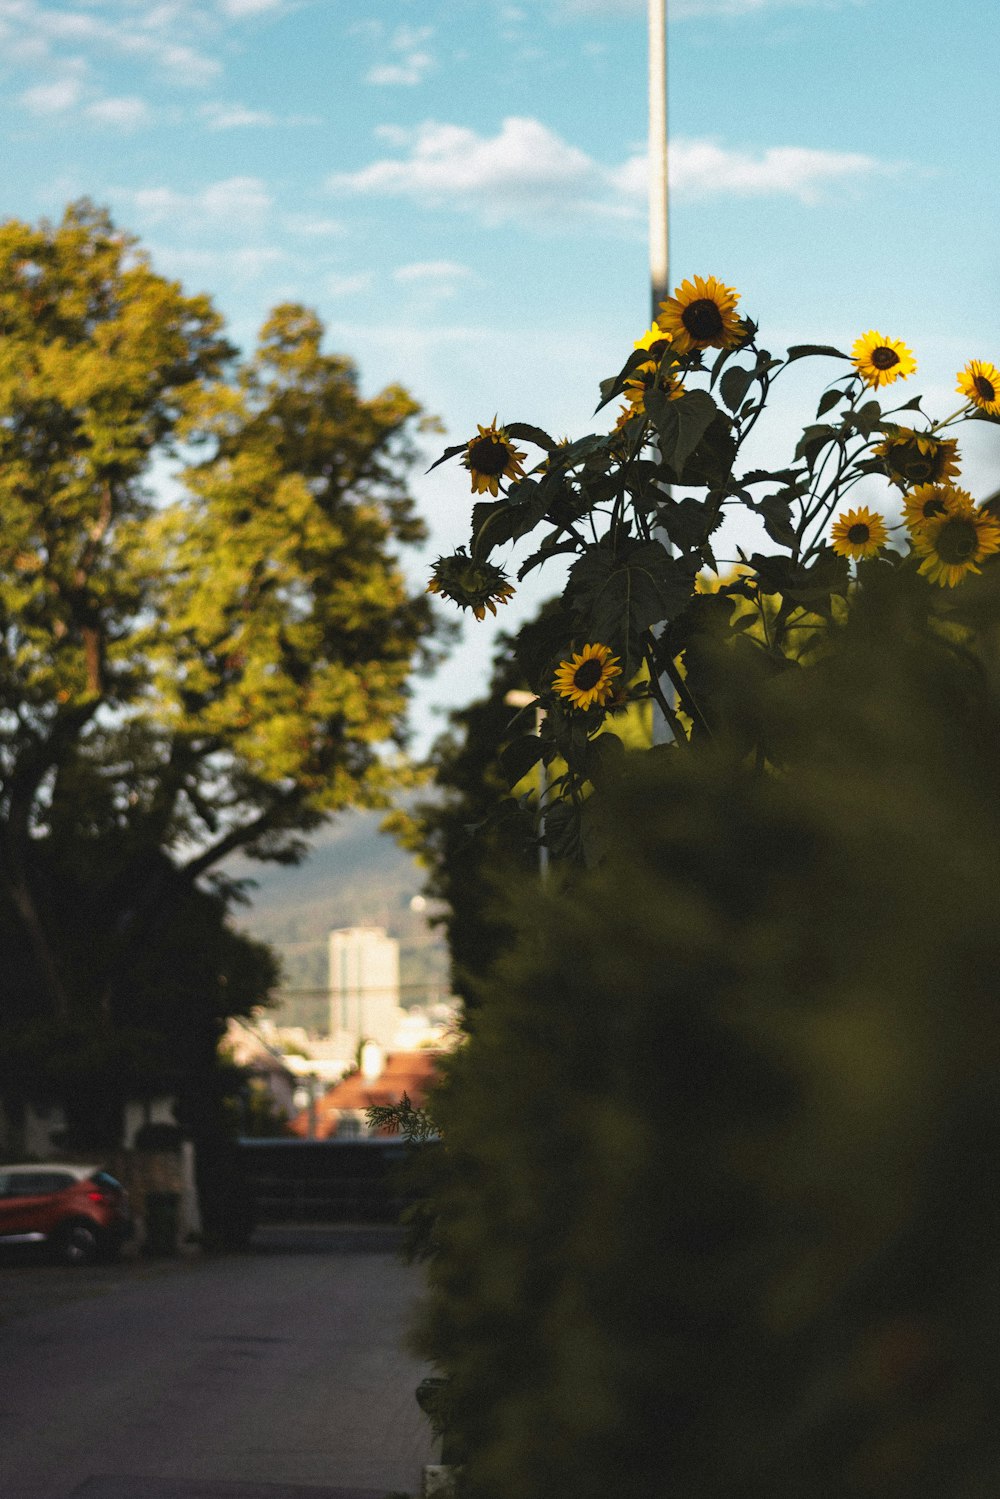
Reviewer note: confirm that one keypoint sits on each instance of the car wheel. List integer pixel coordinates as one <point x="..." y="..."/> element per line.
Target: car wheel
<point x="77" y="1243"/>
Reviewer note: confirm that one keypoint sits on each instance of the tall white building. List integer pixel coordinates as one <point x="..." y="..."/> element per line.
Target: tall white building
<point x="364" y="987"/>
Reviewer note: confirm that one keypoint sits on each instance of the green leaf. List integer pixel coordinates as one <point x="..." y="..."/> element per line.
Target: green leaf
<point x="734" y="385"/>
<point x="828" y="400"/>
<point x="563" y="831"/>
<point x="688" y="522"/>
<point x="617" y="598"/>
<point x="495" y="522"/>
<point x="866" y="419"/>
<point x="810" y="351"/>
<point x="524" y="432"/>
<point x="680" y="424"/>
<point x="519" y="757"/>
<point x="551" y="547"/>
<point x="615" y="384"/>
<point x="603" y="754"/>
<point x="575" y="453"/>
<point x="459" y="447"/>
<point x="813" y="440"/>
<point x="777" y="520"/>
<point x="712" y="461"/>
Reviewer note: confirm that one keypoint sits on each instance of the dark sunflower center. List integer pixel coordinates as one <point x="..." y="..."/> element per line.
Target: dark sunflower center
<point x="957" y="541"/>
<point x="858" y="534"/>
<point x="487" y="456"/>
<point x="588" y="675"/>
<point x="985" y="389"/>
<point x="883" y="358"/>
<point x="931" y="508"/>
<point x="702" y="319"/>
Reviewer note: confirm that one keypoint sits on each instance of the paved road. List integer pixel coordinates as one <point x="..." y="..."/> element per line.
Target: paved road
<point x="270" y="1375"/>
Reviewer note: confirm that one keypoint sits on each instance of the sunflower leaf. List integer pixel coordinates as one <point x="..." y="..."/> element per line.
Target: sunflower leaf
<point x="828" y="400"/>
<point x="680" y="424"/>
<point x="578" y="452"/>
<point x="617" y="598"/>
<point x="711" y="463"/>
<point x="615" y="384"/>
<point x="865" y="419"/>
<point x="813" y="440"/>
<point x="563" y="831"/>
<point x="808" y="351"/>
<point x="459" y="447"/>
<point x="519" y="757"/>
<point x="777" y="521"/>
<point x="495" y="522"/>
<point x="524" y="432"/>
<point x="688" y="522"/>
<point x="603" y="754"/>
<point x="545" y="551"/>
<point x="734" y="385"/>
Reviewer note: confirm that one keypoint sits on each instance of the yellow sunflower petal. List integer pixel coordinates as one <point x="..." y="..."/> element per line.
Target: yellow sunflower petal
<point x="880" y="360"/>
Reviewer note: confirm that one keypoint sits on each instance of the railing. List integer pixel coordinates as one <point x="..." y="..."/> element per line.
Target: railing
<point x="326" y="1181"/>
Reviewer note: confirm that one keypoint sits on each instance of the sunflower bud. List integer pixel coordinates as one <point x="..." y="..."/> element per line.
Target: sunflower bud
<point x="469" y="583"/>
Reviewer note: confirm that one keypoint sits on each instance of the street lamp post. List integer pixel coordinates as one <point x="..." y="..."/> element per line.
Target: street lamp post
<point x="659" y="225"/>
<point x="659" y="242"/>
<point x="518" y="698"/>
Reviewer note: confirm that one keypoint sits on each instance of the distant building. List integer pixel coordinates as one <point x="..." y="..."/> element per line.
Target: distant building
<point x="364" y="987"/>
<point x="342" y="1110"/>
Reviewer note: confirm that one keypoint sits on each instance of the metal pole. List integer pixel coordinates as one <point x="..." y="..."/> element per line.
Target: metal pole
<point x="518" y="698"/>
<point x="659" y="243"/>
<point x="659" y="229"/>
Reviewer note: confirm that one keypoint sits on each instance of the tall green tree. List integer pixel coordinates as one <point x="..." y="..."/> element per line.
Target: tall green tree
<point x="180" y="678"/>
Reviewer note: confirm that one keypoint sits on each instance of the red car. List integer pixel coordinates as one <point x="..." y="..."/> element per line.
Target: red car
<point x="80" y="1213"/>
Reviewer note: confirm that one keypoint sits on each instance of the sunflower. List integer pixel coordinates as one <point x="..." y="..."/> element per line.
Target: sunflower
<point x="701" y="315"/>
<point x="954" y="543"/>
<point x="655" y="340"/>
<point x="880" y="360"/>
<point x="917" y="457"/>
<point x="491" y="457"/>
<point x="981" y="383"/>
<point x="643" y="378"/>
<point x="931" y="500"/>
<point x="858" y="533"/>
<point x="470" y="584"/>
<point x="587" y="677"/>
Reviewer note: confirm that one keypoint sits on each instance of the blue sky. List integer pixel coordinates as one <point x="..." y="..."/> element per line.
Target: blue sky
<point x="457" y="186"/>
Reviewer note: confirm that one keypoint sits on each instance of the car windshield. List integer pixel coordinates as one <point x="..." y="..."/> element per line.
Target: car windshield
<point x="106" y="1181"/>
<point x="33" y="1183"/>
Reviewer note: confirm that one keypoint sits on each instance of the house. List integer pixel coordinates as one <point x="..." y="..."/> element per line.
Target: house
<point x="383" y="1079"/>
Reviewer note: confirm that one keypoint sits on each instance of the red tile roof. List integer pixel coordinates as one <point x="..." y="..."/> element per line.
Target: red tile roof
<point x="409" y="1072"/>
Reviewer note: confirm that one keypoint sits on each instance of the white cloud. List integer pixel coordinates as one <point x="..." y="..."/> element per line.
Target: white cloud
<point x="219" y="116"/>
<point x="685" y="10"/>
<point x="182" y="64"/>
<point x="239" y="8"/>
<point x="52" y="98"/>
<point x="235" y="116"/>
<point x="348" y="286"/>
<point x="314" y="228"/>
<point x="410" y="72"/>
<point x="704" y="168"/>
<point x="236" y="201"/>
<point x="526" y="166"/>
<point x="412" y="62"/>
<point x="249" y="263"/>
<point x="39" y="35"/>
<point x="125" y="113"/>
<point x="432" y="270"/>
<point x="527" y="171"/>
